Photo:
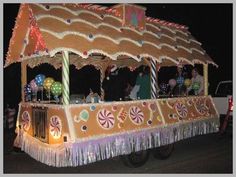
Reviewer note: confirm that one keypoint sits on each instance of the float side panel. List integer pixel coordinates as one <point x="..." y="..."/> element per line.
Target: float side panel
<point x="107" y="119"/>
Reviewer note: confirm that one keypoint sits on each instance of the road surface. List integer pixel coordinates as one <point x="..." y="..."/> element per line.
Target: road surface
<point x="201" y="154"/>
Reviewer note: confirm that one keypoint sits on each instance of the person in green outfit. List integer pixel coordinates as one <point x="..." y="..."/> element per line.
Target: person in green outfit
<point x="143" y="81"/>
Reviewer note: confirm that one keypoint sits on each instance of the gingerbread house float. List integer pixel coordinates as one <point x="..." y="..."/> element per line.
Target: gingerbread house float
<point x="86" y="34"/>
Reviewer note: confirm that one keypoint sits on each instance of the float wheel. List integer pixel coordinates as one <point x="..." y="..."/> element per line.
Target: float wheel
<point x="163" y="152"/>
<point x="136" y="159"/>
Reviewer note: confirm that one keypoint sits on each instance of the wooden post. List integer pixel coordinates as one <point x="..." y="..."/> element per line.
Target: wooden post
<point x="65" y="78"/>
<point x="23" y="79"/>
<point x="205" y="75"/>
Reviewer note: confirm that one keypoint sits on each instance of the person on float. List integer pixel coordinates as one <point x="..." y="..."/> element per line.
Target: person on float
<point x="197" y="83"/>
<point x="111" y="84"/>
<point x="143" y="81"/>
<point x="180" y="88"/>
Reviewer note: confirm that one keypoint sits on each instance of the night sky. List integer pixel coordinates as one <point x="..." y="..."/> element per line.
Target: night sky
<point x="210" y="24"/>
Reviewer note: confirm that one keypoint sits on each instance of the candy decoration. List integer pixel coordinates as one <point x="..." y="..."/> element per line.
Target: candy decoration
<point x="180" y="80"/>
<point x="187" y="82"/>
<point x="163" y="87"/>
<point x="172" y="83"/>
<point x="153" y="107"/>
<point x="149" y="122"/>
<point x="200" y="107"/>
<point x="92" y="108"/>
<point x="26" y="120"/>
<point x="172" y="116"/>
<point x="39" y="79"/>
<point x="136" y="115"/>
<point x="65" y="78"/>
<point x="85" y="53"/>
<point x="105" y="119"/>
<point x="76" y="119"/>
<point x="34" y="87"/>
<point x="122" y="115"/>
<point x="56" y="88"/>
<point x="189" y="102"/>
<point x="48" y="83"/>
<point x="84" y="115"/>
<point x="159" y="118"/>
<point x="120" y="125"/>
<point x="144" y="104"/>
<point x="154" y="86"/>
<point x="55" y="127"/>
<point x="84" y="128"/>
<point x="101" y="83"/>
<point x="181" y="109"/>
<point x="114" y="108"/>
<point x="27" y="91"/>
<point x="196" y="86"/>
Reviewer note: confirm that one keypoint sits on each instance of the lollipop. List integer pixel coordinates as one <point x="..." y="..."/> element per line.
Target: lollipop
<point x="39" y="79"/>
<point x="187" y="82"/>
<point x="33" y="86"/>
<point x="180" y="80"/>
<point x="163" y="87"/>
<point x="172" y="83"/>
<point x="27" y="91"/>
<point x="196" y="86"/>
<point x="56" y="90"/>
<point x="48" y="83"/>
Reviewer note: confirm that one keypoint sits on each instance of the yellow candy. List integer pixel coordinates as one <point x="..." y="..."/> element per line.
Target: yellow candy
<point x="48" y="83"/>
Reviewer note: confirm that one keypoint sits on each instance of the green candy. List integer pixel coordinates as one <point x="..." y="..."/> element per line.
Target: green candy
<point x="56" y="88"/>
<point x="84" y="115"/>
<point x="196" y="86"/>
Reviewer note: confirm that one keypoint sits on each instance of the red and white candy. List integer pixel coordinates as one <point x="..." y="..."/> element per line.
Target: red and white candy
<point x="181" y="109"/>
<point x="55" y="127"/>
<point x="105" y="119"/>
<point x="200" y="107"/>
<point x="25" y="120"/>
<point x="136" y="115"/>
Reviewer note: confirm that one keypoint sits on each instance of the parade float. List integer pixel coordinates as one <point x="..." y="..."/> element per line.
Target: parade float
<point x="60" y="133"/>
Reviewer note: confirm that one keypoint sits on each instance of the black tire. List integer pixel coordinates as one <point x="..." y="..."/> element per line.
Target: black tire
<point x="136" y="159"/>
<point x="163" y="152"/>
<point x="17" y="150"/>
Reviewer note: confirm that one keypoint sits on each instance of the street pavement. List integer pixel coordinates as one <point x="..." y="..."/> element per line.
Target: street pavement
<point x="201" y="154"/>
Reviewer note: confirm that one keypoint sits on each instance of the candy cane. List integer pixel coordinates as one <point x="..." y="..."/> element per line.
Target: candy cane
<point x="153" y="79"/>
<point x="65" y="77"/>
<point x="101" y="80"/>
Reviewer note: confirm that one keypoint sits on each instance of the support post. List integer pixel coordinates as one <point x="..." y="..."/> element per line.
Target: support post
<point x="101" y="80"/>
<point x="23" y="79"/>
<point x="154" y="84"/>
<point x="65" y="78"/>
<point x="205" y="75"/>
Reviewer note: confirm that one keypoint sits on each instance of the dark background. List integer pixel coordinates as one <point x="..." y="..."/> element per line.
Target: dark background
<point x="210" y="24"/>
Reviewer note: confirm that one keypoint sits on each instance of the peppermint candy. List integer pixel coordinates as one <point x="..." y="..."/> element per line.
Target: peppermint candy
<point x="136" y="115"/>
<point x="55" y="127"/>
<point x="25" y="120"/>
<point x="200" y="107"/>
<point x="105" y="119"/>
<point x="181" y="110"/>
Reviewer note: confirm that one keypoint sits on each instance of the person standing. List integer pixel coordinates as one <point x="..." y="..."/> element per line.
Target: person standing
<point x="143" y="81"/>
<point x="180" y="88"/>
<point x="197" y="83"/>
